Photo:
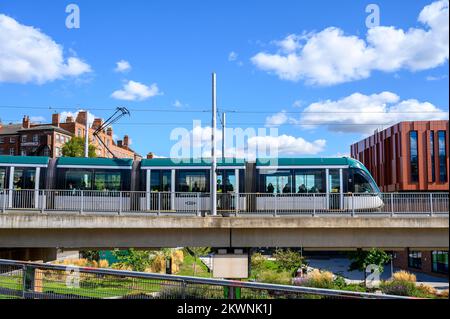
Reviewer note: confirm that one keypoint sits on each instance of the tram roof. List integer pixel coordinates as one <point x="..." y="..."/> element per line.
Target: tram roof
<point x="33" y="161"/>
<point x="84" y="162"/>
<point x="191" y="162"/>
<point x="310" y="161"/>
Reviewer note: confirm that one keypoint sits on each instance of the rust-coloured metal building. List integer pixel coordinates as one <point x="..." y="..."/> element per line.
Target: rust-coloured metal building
<point x="408" y="156"/>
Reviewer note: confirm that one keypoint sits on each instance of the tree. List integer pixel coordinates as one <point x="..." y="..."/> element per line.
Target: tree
<point x="75" y="148"/>
<point x="361" y="259"/>
<point x="288" y="260"/>
<point x="198" y="251"/>
<point x="257" y="264"/>
<point x="137" y="260"/>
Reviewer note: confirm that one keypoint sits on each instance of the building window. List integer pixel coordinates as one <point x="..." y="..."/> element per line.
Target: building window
<point x="35" y="138"/>
<point x="1" y="140"/>
<point x="433" y="164"/>
<point x="12" y="140"/>
<point x="24" y="153"/>
<point x="11" y="151"/>
<point x="79" y="132"/>
<point x="440" y="261"/>
<point x="442" y="157"/>
<point x="414" y="259"/>
<point x="24" y="138"/>
<point x="414" y="156"/>
<point x="58" y="152"/>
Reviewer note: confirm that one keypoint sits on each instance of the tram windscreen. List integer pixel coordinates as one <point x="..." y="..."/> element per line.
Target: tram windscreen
<point x="362" y="183"/>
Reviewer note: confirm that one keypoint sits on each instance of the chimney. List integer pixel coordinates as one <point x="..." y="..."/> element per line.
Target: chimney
<point x="119" y="143"/>
<point x="26" y="122"/>
<point x="56" y="119"/>
<point x="81" y="117"/>
<point x="97" y="123"/>
<point x="125" y="140"/>
<point x="150" y="155"/>
<point x="69" y="119"/>
<point x="109" y="131"/>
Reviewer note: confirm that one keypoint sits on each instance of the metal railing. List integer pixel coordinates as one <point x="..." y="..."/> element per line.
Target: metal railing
<point x="50" y="281"/>
<point x="247" y="204"/>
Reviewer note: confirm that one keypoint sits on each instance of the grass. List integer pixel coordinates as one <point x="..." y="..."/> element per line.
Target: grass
<point x="187" y="267"/>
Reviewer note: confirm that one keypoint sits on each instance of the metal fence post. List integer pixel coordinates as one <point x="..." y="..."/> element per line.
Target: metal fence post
<point x="120" y="202"/>
<point x="431" y="204"/>
<point x="3" y="201"/>
<point x="392" y="204"/>
<point x="236" y="202"/>
<point x="276" y="205"/>
<point x="159" y="203"/>
<point x="28" y="280"/>
<point x="353" y="205"/>
<point x="314" y="204"/>
<point x="198" y="205"/>
<point x="82" y="202"/>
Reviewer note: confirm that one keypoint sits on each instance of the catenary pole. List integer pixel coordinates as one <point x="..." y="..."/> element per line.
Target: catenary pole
<point x="86" y="137"/>
<point x="213" y="149"/>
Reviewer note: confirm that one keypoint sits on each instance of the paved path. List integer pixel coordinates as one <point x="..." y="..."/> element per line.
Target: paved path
<point x="339" y="266"/>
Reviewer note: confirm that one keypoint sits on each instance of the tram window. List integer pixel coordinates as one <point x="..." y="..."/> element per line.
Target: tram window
<point x="361" y="183"/>
<point x="226" y="181"/>
<point x="276" y="181"/>
<point x="78" y="180"/>
<point x="310" y="181"/>
<point x="155" y="184"/>
<point x="24" y="178"/>
<point x="160" y="181"/>
<point x="110" y="181"/>
<point x="192" y="181"/>
<point x="2" y="178"/>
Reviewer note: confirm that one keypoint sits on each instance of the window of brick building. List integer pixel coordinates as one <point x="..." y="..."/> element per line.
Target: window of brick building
<point x="442" y="157"/>
<point x="12" y="140"/>
<point x="11" y="151"/>
<point x="35" y="138"/>
<point x="433" y="164"/>
<point x="414" y="259"/>
<point x="414" y="156"/>
<point x="440" y="261"/>
<point x="24" y="138"/>
<point x="1" y="140"/>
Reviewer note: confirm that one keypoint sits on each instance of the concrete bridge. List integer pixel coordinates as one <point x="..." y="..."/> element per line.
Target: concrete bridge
<point x="37" y="230"/>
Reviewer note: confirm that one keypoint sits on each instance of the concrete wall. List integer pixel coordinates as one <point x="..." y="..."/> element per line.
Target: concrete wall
<point x="81" y="231"/>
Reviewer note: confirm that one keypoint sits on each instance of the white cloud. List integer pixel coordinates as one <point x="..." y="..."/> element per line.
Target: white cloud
<point x="277" y="119"/>
<point x="135" y="91"/>
<point x="436" y="78"/>
<point x="331" y="57"/>
<point x="232" y="56"/>
<point x="359" y="113"/>
<point x="122" y="66"/>
<point x="28" y="55"/>
<point x="197" y="143"/>
<point x="297" y="103"/>
<point x="177" y="103"/>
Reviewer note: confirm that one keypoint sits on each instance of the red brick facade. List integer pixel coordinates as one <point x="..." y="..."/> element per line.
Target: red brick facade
<point x="386" y="154"/>
<point x="401" y="261"/>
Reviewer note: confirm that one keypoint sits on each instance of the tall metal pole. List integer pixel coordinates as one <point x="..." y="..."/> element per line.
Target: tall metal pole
<point x="224" y="123"/>
<point x="86" y="138"/>
<point x="213" y="149"/>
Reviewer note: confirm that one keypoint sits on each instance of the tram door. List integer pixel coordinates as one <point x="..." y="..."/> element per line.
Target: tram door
<point x="334" y="189"/>
<point x="23" y="182"/>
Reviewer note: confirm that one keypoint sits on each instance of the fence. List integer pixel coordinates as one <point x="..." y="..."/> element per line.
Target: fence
<point x="383" y="204"/>
<point x="49" y="281"/>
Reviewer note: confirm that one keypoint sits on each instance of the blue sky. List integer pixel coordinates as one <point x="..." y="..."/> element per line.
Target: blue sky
<point x="271" y="58"/>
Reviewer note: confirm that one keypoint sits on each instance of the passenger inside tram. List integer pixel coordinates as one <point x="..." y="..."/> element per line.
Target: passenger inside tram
<point x="302" y="189"/>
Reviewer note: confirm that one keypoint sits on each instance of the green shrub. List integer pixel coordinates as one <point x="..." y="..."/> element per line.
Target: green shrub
<point x="273" y="277"/>
<point x="398" y="288"/>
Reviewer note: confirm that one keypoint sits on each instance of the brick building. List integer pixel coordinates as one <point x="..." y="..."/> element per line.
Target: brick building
<point x="408" y="156"/>
<point x="30" y="139"/>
